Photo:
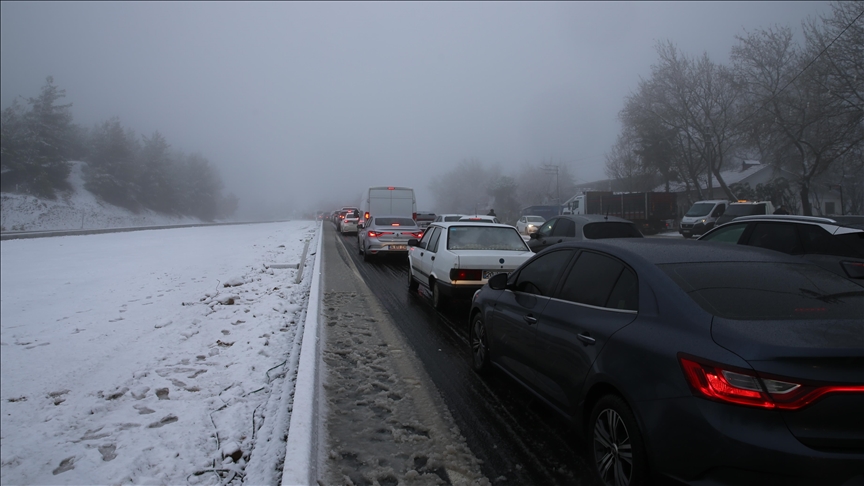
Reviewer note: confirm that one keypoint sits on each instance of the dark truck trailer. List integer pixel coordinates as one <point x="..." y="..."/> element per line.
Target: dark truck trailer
<point x="648" y="210"/>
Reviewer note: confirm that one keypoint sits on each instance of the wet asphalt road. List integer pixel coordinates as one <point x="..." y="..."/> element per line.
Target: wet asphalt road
<point x="519" y="439"/>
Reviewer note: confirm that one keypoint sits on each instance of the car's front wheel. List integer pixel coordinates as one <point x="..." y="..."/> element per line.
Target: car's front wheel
<point x="479" y="345"/>
<point x="616" y="443"/>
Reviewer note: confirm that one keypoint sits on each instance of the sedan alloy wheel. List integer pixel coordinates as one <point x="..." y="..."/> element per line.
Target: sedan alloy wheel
<point x="617" y="444"/>
<point x="479" y="346"/>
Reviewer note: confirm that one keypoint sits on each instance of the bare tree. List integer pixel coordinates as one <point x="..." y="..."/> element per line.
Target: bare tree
<point x="798" y="122"/>
<point x="625" y="165"/>
<point x="684" y="118"/>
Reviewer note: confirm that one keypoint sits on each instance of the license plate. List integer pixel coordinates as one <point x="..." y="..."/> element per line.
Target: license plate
<point x="487" y="274"/>
<point x="398" y="247"/>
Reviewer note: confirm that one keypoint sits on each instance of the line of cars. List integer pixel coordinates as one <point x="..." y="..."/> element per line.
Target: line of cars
<point x="732" y="361"/>
<point x="737" y="358"/>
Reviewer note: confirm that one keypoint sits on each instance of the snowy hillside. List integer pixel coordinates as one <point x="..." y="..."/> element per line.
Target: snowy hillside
<point x="76" y="209"/>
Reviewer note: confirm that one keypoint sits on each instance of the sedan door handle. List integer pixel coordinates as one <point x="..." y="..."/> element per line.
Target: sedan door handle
<point x="530" y="319"/>
<point x="433" y="258"/>
<point x="586" y="339"/>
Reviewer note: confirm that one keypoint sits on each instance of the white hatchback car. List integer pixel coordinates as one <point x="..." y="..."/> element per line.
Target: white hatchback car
<point x="348" y="224"/>
<point x="453" y="260"/>
<point x="529" y="224"/>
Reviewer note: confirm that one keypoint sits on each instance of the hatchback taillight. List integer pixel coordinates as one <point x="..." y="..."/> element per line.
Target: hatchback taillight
<point x="743" y="387"/>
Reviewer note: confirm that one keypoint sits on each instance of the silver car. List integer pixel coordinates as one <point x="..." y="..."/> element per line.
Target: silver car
<point x="386" y="235"/>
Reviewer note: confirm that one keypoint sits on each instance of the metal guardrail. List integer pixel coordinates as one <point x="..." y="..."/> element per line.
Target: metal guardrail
<point x="17" y="235"/>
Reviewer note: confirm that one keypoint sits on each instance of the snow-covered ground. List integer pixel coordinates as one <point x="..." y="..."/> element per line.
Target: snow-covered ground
<point x="75" y="209"/>
<point x="164" y="365"/>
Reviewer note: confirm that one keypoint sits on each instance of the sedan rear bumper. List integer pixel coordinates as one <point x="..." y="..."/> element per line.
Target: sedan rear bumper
<point x="459" y="290"/>
<point x="704" y="442"/>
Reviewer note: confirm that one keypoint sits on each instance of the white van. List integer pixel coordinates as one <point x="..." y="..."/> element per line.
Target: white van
<point x="745" y="208"/>
<point x="388" y="201"/>
<point x="702" y="217"/>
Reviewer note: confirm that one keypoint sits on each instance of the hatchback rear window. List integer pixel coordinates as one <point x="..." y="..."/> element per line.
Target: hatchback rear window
<point x="768" y="290"/>
<point x="599" y="231"/>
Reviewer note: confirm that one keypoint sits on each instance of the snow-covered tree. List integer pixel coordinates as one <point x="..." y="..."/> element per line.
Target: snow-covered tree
<point x="36" y="143"/>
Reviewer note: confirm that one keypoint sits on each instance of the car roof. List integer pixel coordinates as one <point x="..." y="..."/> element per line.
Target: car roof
<point x="658" y="251"/>
<point x="450" y="224"/>
<point x="592" y="218"/>
<point x="789" y="217"/>
<point x="828" y="224"/>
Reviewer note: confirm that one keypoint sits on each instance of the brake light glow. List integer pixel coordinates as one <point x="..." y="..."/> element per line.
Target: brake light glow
<point x="366" y="215"/>
<point x="853" y="269"/>
<point x="744" y="387"/>
<point x="464" y="274"/>
<point x="417" y="235"/>
<point x="376" y="234"/>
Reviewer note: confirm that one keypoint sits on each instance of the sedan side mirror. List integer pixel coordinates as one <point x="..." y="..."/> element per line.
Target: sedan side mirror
<point x="498" y="282"/>
<point x="413" y="242"/>
<point x="534" y="236"/>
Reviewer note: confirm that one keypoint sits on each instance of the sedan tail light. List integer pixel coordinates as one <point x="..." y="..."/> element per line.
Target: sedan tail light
<point x="733" y="385"/>
<point x="417" y="235"/>
<point x="463" y="274"/>
<point x="376" y="234"/>
<point x="853" y="269"/>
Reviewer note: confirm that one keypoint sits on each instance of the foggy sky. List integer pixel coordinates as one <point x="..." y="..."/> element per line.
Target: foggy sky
<point x="303" y="104"/>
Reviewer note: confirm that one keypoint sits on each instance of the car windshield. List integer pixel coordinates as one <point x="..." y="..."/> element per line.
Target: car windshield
<point x="485" y="238"/>
<point x="768" y="290"/>
<point x="535" y="219"/>
<point x="599" y="231"/>
<point x="452" y="218"/>
<point x="395" y="222"/>
<point x="700" y="209"/>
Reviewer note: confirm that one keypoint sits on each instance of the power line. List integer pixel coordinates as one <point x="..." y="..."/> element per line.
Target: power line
<point x="805" y="68"/>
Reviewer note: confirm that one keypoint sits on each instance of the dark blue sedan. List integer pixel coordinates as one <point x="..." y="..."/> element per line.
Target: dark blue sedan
<point x="698" y="361"/>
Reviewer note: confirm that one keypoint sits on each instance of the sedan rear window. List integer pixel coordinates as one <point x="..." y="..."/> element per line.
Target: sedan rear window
<point x="395" y="222"/>
<point x="768" y="290"/>
<point x="599" y="231"/>
<point x="485" y="238"/>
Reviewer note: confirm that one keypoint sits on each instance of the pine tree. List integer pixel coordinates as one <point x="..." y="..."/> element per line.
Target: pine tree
<point x="36" y="143"/>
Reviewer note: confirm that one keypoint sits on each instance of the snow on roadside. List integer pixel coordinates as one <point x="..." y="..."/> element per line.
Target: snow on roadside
<point x="149" y="357"/>
<point x="74" y="210"/>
